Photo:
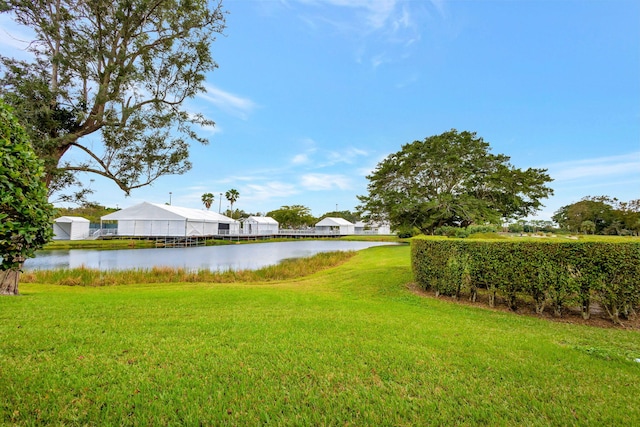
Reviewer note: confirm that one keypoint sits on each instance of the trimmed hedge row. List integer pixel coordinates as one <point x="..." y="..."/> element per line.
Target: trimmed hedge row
<point x="560" y="274"/>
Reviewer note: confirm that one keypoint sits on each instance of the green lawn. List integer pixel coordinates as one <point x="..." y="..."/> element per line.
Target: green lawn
<point x="346" y="346"/>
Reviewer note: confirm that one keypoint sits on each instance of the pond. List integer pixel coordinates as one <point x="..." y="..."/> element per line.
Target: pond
<point x="215" y="258"/>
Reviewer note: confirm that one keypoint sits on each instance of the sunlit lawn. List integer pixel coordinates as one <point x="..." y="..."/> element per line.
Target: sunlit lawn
<point x="345" y="346"/>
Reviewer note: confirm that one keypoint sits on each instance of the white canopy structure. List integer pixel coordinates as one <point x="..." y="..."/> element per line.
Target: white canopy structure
<point x="70" y="228"/>
<point x="372" y="228"/>
<point x="156" y="220"/>
<point x="255" y="225"/>
<point x="335" y="225"/>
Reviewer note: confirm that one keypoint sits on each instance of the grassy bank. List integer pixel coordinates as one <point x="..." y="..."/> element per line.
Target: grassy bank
<point x="345" y="346"/>
<point x="287" y="269"/>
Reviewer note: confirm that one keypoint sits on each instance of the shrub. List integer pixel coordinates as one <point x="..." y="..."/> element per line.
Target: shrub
<point x="560" y="273"/>
<point x="405" y="232"/>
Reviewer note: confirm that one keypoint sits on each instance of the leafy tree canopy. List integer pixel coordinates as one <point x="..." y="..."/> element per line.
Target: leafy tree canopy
<point x="295" y="216"/>
<point x="451" y="179"/>
<point x="119" y="68"/>
<point x="608" y="215"/>
<point x="348" y="215"/>
<point x="25" y="214"/>
<point x="89" y="210"/>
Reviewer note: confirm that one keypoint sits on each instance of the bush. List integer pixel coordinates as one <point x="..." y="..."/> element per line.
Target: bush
<point x="561" y="274"/>
<point x="405" y="232"/>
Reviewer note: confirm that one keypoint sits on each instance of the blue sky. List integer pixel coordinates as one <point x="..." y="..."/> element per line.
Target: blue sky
<point x="311" y="94"/>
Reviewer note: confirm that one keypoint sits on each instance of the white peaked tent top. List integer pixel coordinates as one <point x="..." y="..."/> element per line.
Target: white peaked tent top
<point x="262" y="220"/>
<point x="333" y="222"/>
<point x="154" y="211"/>
<point x="71" y="219"/>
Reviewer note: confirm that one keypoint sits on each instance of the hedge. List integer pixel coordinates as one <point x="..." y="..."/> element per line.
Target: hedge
<point x="556" y="274"/>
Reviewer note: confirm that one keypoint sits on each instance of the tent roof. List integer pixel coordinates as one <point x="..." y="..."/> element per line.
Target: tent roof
<point x="151" y="211"/>
<point x="262" y="220"/>
<point x="334" y="222"/>
<point x="71" y="219"/>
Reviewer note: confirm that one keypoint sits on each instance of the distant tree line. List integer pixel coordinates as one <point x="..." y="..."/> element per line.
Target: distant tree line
<point x="298" y="216"/>
<point x="600" y="215"/>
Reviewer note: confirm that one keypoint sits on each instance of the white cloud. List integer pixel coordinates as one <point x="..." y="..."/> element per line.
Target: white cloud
<point x="383" y="30"/>
<point x="300" y="159"/>
<point x="611" y="166"/>
<point x="347" y="156"/>
<point x="228" y="102"/>
<point x="319" y="181"/>
<point x="615" y="176"/>
<point x="269" y="190"/>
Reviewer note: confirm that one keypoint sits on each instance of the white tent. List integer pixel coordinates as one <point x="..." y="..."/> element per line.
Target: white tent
<point x="335" y="225"/>
<point x="372" y="228"/>
<point x="154" y="220"/>
<point x="70" y="228"/>
<point x="260" y="225"/>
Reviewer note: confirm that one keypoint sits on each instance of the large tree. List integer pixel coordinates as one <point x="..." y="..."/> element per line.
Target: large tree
<point x="348" y="215"/>
<point x="122" y="68"/>
<point x="609" y="215"/>
<point x="294" y="216"/>
<point x="25" y="214"/>
<point x="451" y="179"/>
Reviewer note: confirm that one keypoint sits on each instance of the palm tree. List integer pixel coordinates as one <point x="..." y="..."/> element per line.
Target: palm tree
<point x="207" y="199"/>
<point x="232" y="196"/>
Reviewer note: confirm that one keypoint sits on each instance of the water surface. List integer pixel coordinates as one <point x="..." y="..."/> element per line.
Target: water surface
<point x="215" y="258"/>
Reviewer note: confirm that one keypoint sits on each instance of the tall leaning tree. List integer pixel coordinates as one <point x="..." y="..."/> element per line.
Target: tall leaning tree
<point x="25" y="213"/>
<point x="451" y="179"/>
<point x="108" y="82"/>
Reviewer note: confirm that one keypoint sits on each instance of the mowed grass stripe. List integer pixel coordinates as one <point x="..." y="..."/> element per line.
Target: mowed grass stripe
<point x="348" y="345"/>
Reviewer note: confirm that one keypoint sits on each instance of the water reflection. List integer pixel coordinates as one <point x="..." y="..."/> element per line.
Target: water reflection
<point x="215" y="258"/>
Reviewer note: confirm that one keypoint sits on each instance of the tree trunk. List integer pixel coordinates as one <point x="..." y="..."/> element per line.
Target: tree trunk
<point x="9" y="282"/>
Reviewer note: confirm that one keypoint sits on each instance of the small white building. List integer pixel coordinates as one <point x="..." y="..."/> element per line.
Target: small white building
<point x="260" y="225"/>
<point x="336" y="226"/>
<point x="372" y="228"/>
<point x="156" y="220"/>
<point x="71" y="228"/>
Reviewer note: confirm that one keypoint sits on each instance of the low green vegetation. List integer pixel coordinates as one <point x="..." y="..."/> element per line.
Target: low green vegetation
<point x="287" y="269"/>
<point x="558" y="274"/>
<point x="348" y="345"/>
<point x="99" y="244"/>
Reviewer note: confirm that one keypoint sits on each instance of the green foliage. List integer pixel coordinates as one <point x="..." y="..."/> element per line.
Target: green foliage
<point x="560" y="274"/>
<point x="25" y="214"/>
<point x="516" y="227"/>
<point x="451" y="179"/>
<point x="476" y="231"/>
<point x="600" y="215"/>
<point x="89" y="210"/>
<point x="348" y="215"/>
<point x="347" y="346"/>
<point x="207" y="200"/>
<point x="295" y="216"/>
<point x="287" y="269"/>
<point x="406" y="232"/>
<point x="120" y="68"/>
<point x="232" y="196"/>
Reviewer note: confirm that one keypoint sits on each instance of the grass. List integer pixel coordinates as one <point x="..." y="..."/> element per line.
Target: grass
<point x="99" y="244"/>
<point x="286" y="269"/>
<point x="348" y="345"/>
